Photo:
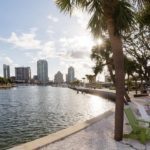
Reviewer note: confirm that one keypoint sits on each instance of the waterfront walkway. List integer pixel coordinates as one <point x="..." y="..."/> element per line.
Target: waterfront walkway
<point x="95" y="134"/>
<point x="99" y="136"/>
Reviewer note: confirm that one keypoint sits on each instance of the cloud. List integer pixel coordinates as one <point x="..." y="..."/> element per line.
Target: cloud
<point x="77" y="47"/>
<point x="28" y="41"/>
<point x="8" y="60"/>
<point x="25" y="40"/>
<point x="77" y="42"/>
<point x="82" y="17"/>
<point x="47" y="51"/>
<point x="52" y="18"/>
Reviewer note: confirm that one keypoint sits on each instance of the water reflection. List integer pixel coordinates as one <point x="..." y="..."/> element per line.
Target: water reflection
<point x="29" y="112"/>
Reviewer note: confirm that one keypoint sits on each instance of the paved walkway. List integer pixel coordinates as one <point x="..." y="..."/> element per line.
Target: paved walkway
<point x="98" y="136"/>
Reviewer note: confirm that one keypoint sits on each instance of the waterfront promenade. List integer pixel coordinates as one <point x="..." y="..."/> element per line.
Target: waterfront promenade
<point x="94" y="134"/>
<point x="99" y="136"/>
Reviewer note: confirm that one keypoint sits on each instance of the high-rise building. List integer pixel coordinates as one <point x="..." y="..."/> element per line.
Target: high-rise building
<point x="71" y="74"/>
<point x="42" y="71"/>
<point x="58" y="78"/>
<point x="23" y="74"/>
<point x="66" y="78"/>
<point x="6" y="71"/>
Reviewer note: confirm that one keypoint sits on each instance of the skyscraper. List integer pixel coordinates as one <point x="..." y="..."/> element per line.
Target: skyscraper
<point x="71" y="74"/>
<point x="42" y="71"/>
<point x="6" y="71"/>
<point x="58" y="78"/>
<point x="23" y="74"/>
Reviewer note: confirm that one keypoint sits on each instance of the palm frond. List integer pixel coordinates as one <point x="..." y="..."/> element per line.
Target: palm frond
<point x="95" y="5"/>
<point x="97" y="24"/>
<point x="65" y="5"/>
<point x="123" y="16"/>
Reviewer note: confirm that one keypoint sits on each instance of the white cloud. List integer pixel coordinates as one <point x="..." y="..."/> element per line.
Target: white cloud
<point x="47" y="51"/>
<point x="8" y="60"/>
<point x="25" y="40"/>
<point x="77" y="47"/>
<point x="82" y="17"/>
<point x="77" y="43"/>
<point x="28" y="41"/>
<point x="52" y="18"/>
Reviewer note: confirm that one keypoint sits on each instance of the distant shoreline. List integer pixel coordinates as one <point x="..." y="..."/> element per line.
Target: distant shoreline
<point x="6" y="86"/>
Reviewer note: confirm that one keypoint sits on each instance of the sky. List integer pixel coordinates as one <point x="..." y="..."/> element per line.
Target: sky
<point x="36" y="29"/>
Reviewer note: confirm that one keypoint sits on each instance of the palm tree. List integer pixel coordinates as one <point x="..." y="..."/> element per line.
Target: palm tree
<point x="113" y="16"/>
<point x="102" y="55"/>
<point x="91" y="78"/>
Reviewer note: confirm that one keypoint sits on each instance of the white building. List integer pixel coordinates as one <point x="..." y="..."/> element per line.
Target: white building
<point x="58" y="78"/>
<point x="42" y="71"/>
<point x="70" y="75"/>
<point x="6" y="71"/>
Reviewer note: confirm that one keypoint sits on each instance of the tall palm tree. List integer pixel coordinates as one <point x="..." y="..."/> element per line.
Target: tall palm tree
<point x="113" y="16"/>
<point x="102" y="55"/>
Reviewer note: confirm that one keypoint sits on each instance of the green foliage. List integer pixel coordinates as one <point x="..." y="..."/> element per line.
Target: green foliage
<point x="4" y="81"/>
<point x="64" y="5"/>
<point x="102" y="56"/>
<point x="123" y="16"/>
<point x="144" y="16"/>
<point x="122" y="13"/>
<point x="75" y="83"/>
<point x="130" y="65"/>
<point x="137" y="46"/>
<point x="91" y="78"/>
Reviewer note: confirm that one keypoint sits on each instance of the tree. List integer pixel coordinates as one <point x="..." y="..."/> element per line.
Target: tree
<point x="102" y="55"/>
<point x="144" y="15"/>
<point x="137" y="46"/>
<point x="113" y="16"/>
<point x="130" y="69"/>
<point x="91" y="78"/>
<point x="4" y="80"/>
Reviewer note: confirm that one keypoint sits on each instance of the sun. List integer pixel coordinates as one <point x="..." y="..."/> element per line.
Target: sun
<point x="99" y="41"/>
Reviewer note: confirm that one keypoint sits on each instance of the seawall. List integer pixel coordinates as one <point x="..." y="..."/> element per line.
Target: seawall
<point x="111" y="95"/>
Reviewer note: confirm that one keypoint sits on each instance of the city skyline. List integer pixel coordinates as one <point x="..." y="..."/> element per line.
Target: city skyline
<point x="37" y="35"/>
<point x="33" y="75"/>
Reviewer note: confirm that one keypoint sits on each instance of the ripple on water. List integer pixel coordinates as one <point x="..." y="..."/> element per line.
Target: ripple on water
<point x="30" y="112"/>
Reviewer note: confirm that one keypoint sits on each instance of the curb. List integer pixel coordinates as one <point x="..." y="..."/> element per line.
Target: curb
<point x="55" y="137"/>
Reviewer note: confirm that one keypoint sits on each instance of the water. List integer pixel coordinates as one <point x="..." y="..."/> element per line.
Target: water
<point x="30" y="112"/>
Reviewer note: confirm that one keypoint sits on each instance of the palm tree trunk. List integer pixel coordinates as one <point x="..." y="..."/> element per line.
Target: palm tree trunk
<point x="127" y="98"/>
<point x="118" y="59"/>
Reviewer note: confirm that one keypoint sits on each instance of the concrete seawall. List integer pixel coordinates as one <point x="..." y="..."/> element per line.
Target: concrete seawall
<point x="41" y="143"/>
<point x="111" y="95"/>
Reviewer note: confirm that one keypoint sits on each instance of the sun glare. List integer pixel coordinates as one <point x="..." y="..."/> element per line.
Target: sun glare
<point x="99" y="41"/>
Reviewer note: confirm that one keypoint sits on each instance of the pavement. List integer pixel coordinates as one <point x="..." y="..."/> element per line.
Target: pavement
<point x="89" y="135"/>
<point x="100" y="136"/>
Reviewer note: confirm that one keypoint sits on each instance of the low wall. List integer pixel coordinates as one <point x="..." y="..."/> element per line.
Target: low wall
<point x="60" y="135"/>
<point x="102" y="93"/>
